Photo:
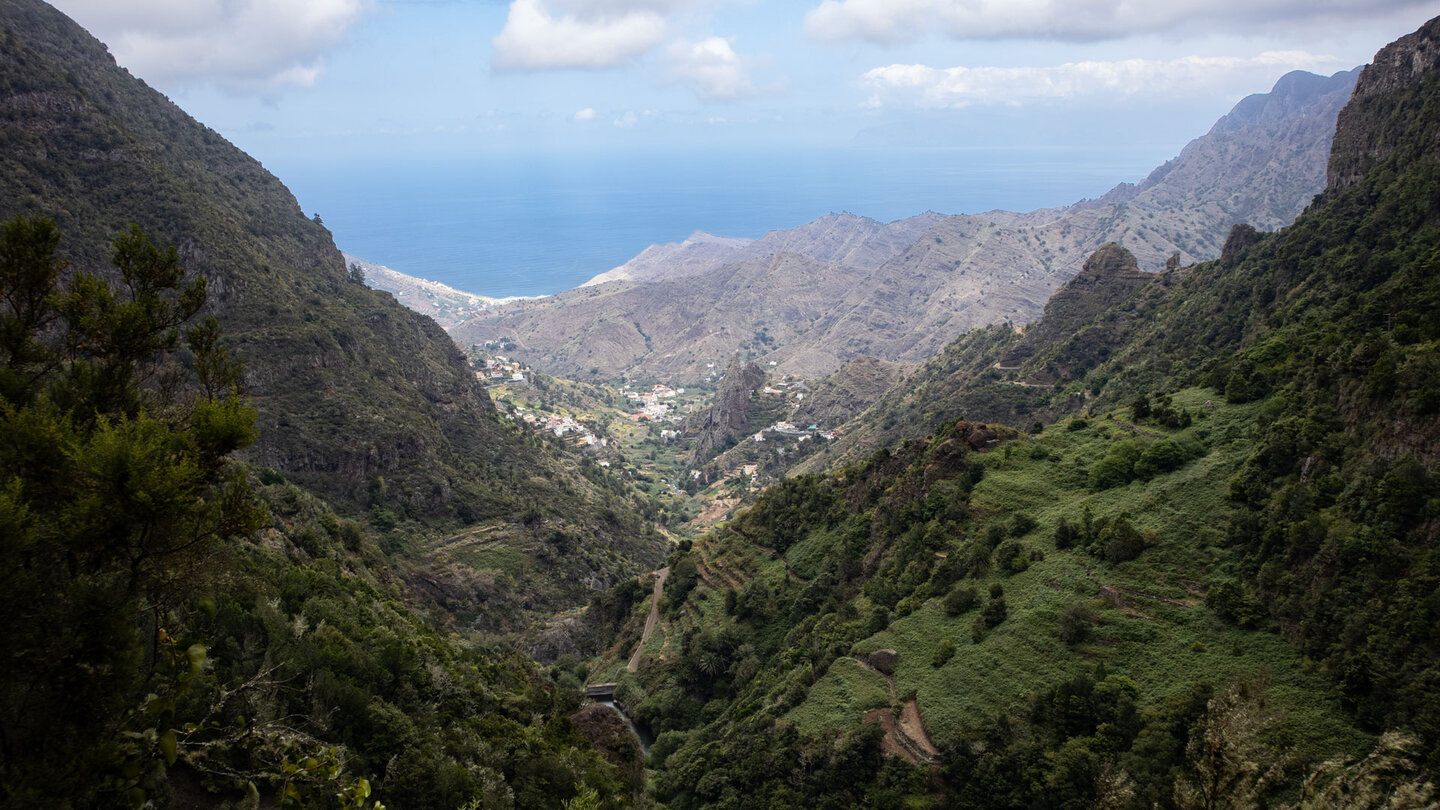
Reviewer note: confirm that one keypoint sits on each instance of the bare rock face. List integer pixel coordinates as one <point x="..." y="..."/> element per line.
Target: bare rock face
<point x="1375" y="125"/>
<point x="884" y="661"/>
<point x="724" y="423"/>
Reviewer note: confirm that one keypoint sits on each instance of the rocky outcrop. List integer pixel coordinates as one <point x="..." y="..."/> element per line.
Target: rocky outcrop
<point x="1387" y="115"/>
<point x="842" y="396"/>
<point x="883" y="661"/>
<point x="1110" y="276"/>
<point x="724" y="423"/>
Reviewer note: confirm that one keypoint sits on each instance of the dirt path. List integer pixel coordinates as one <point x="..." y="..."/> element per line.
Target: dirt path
<point x="906" y="737"/>
<point x="913" y="736"/>
<point x="650" y="621"/>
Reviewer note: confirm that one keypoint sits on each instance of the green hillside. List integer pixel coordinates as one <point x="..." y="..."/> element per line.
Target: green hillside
<point x="264" y="541"/>
<point x="1205" y="572"/>
<point x="357" y="398"/>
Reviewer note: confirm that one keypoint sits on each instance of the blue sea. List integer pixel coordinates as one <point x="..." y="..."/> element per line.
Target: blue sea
<point x="521" y="225"/>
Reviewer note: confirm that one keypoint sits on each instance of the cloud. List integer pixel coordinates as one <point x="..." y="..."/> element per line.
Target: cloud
<point x="253" y="46"/>
<point x="1067" y="20"/>
<point x="587" y="114"/>
<point x="1187" y="76"/>
<point x="712" y="65"/>
<point x="583" y="34"/>
<point x="629" y="119"/>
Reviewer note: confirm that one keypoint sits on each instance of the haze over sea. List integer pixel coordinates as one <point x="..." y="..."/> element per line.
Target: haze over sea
<point x="522" y="225"/>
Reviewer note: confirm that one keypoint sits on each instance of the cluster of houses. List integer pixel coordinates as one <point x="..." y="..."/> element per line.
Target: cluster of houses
<point x="499" y="369"/>
<point x="560" y="427"/>
<point x="650" y="404"/>
<point x="781" y="429"/>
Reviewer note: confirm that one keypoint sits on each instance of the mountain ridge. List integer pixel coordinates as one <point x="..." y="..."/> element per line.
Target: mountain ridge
<point x="903" y="302"/>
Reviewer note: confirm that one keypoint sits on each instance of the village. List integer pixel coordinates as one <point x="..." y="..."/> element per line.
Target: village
<point x="638" y="430"/>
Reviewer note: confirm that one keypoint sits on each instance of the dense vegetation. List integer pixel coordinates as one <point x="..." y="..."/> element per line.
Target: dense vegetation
<point x="1212" y="572"/>
<point x="355" y="398"/>
<point x="1205" y="574"/>
<point x="174" y="625"/>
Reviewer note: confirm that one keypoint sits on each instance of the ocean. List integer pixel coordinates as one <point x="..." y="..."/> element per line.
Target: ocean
<point x="522" y="225"/>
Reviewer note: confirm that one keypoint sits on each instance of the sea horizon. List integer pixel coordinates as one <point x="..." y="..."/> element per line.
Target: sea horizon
<point x="530" y="225"/>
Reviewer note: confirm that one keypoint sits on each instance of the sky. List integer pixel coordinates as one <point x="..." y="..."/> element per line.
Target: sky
<point x="297" y="80"/>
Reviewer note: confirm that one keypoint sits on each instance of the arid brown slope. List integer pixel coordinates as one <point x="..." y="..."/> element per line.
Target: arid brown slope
<point x="844" y="286"/>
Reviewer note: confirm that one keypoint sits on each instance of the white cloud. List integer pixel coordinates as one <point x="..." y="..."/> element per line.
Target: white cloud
<point x="717" y="72"/>
<point x="629" y="119"/>
<point x="244" y="45"/>
<point x="1069" y="20"/>
<point x="587" y="114"/>
<point x="583" y="34"/>
<point x="1187" y="76"/>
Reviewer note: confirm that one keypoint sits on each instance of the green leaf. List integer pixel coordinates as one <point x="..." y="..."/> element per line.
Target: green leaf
<point x="196" y="655"/>
<point x="167" y="746"/>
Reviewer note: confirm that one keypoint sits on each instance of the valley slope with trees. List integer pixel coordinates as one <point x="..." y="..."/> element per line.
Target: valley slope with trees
<point x="267" y="542"/>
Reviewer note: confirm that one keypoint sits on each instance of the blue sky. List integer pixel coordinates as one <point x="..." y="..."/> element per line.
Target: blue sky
<point x="290" y="80"/>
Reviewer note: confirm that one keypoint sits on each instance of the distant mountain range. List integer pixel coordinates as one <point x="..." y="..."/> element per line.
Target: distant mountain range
<point x="844" y="286"/>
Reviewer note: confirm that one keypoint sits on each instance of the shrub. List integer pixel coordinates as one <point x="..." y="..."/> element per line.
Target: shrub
<point x="1011" y="558"/>
<point x="1075" y="623"/>
<point x="943" y="653"/>
<point x="1066" y="535"/>
<point x="1120" y="542"/>
<point x="961" y="600"/>
<point x="1117" y="467"/>
<point x="995" y="612"/>
<point x="1021" y="524"/>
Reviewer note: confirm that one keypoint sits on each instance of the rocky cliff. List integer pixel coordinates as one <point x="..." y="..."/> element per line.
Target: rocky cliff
<point x="1377" y="124"/>
<point x="726" y="421"/>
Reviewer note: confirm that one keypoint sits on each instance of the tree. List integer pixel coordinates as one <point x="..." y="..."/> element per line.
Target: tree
<point x="115" y="498"/>
<point x="1227" y="763"/>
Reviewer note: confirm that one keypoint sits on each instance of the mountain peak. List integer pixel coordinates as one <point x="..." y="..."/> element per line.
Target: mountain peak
<point x="1294" y="89"/>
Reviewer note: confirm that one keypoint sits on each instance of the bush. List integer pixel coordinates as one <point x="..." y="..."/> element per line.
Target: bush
<point x="943" y="653"/>
<point x="1011" y="558"/>
<point x="1021" y="524"/>
<point x="1161" y="456"/>
<point x="961" y="600"/>
<point x="1120" y="542"/>
<point x="1117" y="467"/>
<point x="995" y="612"/>
<point x="1075" y="623"/>
<point x="1066" y="535"/>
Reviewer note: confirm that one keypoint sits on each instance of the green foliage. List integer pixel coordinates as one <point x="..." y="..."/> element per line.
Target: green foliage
<point x="1117" y="468"/>
<point x="118" y="504"/>
<point x="961" y="599"/>
<point x="944" y="651"/>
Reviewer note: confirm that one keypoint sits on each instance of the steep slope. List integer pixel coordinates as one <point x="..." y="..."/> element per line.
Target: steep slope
<point x="901" y="291"/>
<point x="444" y="304"/>
<point x="359" y="399"/>
<point x="1218" y="569"/>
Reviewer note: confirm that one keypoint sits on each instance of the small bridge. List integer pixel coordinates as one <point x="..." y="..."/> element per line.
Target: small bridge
<point x="600" y="691"/>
